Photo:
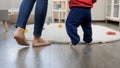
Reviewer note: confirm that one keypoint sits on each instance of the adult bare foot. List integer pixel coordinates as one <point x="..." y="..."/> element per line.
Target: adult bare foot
<point x="37" y="42"/>
<point x="20" y="37"/>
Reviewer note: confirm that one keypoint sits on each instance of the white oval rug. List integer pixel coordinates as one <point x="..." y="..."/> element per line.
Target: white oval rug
<point x="56" y="34"/>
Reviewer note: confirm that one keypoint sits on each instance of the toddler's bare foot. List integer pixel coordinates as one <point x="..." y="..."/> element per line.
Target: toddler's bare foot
<point x="37" y="42"/>
<point x="89" y="44"/>
<point x="20" y="37"/>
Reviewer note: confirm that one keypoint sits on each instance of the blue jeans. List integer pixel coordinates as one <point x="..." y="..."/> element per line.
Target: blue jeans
<point x="39" y="17"/>
<point x="79" y="16"/>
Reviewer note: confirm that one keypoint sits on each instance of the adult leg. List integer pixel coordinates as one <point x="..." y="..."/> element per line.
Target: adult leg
<point x="40" y="15"/>
<point x="24" y="12"/>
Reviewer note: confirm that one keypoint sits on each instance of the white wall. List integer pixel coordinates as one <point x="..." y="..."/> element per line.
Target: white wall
<point x="15" y="3"/>
<point x="98" y="11"/>
<point x="49" y="12"/>
<point x="5" y="4"/>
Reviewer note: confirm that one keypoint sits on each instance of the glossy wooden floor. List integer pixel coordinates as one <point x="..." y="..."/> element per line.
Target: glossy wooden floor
<point x="12" y="55"/>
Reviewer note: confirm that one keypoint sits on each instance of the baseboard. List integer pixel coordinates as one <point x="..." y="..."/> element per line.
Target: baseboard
<point x="98" y="20"/>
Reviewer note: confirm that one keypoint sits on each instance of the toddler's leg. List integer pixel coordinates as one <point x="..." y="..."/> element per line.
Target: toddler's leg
<point x="87" y="28"/>
<point x="73" y="21"/>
